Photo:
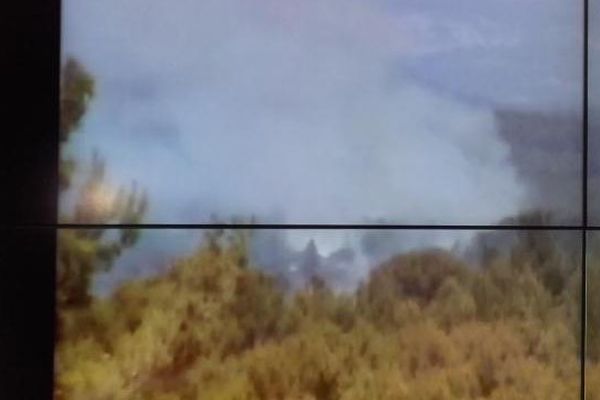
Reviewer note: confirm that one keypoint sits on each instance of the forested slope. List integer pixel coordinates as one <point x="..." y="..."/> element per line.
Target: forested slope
<point x="423" y="326"/>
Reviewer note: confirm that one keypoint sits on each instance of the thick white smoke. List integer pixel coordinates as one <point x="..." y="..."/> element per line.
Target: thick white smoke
<point x="278" y="108"/>
<point x="296" y="112"/>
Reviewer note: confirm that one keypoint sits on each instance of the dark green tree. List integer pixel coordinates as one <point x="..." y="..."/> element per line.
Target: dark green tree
<point x="552" y="255"/>
<point x="82" y="252"/>
<point x="77" y="88"/>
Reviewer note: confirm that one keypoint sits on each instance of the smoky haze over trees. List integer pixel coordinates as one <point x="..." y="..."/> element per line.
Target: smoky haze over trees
<point x="360" y="128"/>
<point x="216" y="324"/>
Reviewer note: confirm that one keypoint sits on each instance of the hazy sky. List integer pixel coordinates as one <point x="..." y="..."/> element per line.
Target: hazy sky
<point x="320" y="111"/>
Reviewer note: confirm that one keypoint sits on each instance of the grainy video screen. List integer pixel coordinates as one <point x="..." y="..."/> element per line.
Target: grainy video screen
<point x="197" y="137"/>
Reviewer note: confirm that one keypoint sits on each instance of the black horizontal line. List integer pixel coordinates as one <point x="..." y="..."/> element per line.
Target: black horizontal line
<point x="310" y="226"/>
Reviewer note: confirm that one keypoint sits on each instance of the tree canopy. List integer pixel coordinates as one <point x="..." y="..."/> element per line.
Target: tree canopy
<point x="82" y="252"/>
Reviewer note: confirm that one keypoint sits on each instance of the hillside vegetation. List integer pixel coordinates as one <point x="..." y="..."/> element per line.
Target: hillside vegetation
<point x="423" y="326"/>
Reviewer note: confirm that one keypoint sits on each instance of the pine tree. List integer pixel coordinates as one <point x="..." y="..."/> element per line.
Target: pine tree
<point x="82" y="252"/>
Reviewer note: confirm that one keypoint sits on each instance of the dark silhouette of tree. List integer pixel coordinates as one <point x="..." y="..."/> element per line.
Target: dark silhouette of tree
<point x="310" y="263"/>
<point x="82" y="252"/>
<point x="77" y="89"/>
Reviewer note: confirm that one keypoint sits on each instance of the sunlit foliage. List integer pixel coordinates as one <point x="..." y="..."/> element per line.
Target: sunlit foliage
<point x="423" y="326"/>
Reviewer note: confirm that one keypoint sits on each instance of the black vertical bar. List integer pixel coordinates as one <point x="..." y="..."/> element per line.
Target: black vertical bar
<point x="27" y="313"/>
<point x="584" y="200"/>
<point x="29" y="185"/>
<point x="585" y="118"/>
<point x="583" y="339"/>
<point x="29" y="170"/>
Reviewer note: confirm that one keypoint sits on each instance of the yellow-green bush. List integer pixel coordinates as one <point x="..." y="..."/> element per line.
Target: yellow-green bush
<point x="424" y="326"/>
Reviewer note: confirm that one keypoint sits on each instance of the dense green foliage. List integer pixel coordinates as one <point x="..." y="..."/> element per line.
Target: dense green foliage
<point x="423" y="326"/>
